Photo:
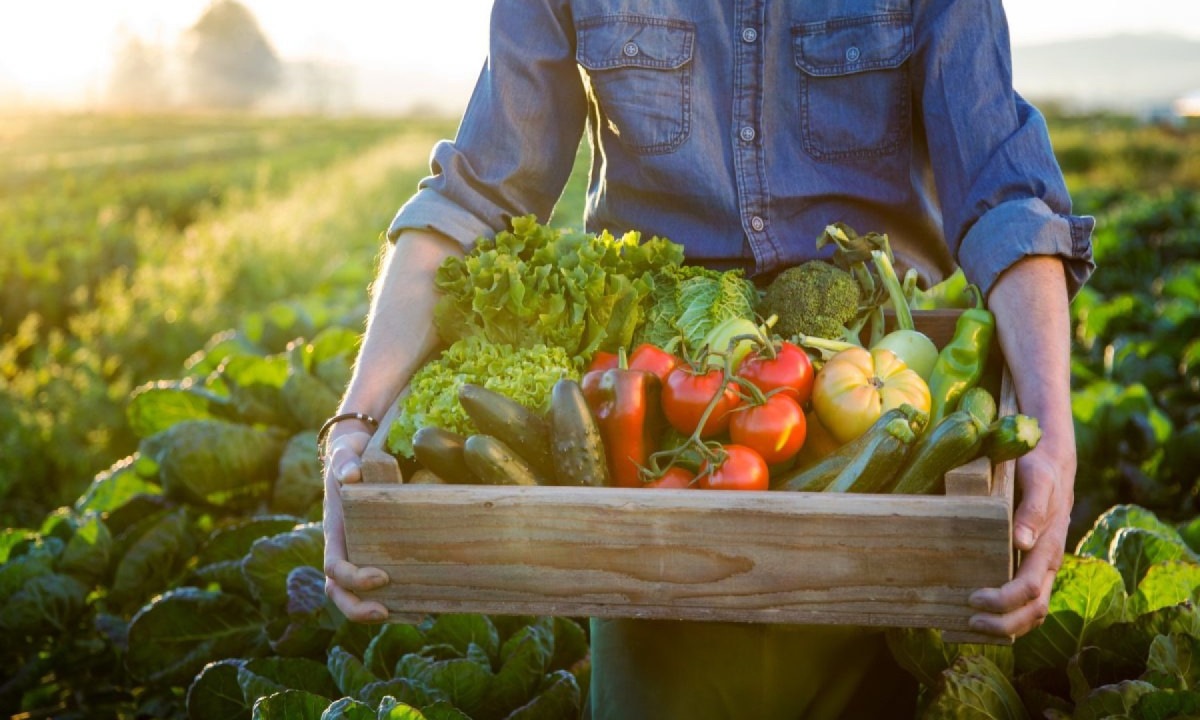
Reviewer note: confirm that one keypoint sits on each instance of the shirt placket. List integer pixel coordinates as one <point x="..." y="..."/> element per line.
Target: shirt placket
<point x="748" y="143"/>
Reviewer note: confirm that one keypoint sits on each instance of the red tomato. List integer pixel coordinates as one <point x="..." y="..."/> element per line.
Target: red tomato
<point x="789" y="369"/>
<point x="653" y="359"/>
<point x="675" y="477"/>
<point x="687" y="393"/>
<point x="776" y="429"/>
<point x="818" y="442"/>
<point x="742" y="469"/>
<point x="603" y="361"/>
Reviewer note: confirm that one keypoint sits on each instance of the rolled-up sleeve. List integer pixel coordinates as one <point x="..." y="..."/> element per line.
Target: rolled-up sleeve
<point x="517" y="141"/>
<point x="1001" y="191"/>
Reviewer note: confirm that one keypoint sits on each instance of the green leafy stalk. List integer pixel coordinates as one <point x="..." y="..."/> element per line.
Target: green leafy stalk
<point x="887" y="273"/>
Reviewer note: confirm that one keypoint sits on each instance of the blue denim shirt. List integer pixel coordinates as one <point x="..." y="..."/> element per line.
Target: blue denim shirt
<point x="741" y="128"/>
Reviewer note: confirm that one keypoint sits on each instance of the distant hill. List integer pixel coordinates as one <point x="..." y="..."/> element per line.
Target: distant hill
<point x="1133" y="73"/>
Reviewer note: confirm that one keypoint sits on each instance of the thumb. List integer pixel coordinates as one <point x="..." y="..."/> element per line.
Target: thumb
<point x="345" y="457"/>
<point x="1033" y="513"/>
<point x="347" y="469"/>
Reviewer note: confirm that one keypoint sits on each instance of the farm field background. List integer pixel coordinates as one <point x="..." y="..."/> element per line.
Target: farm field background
<point x="129" y="241"/>
<point x="139" y="252"/>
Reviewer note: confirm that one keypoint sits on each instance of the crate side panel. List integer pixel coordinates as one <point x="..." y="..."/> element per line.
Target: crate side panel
<point x="650" y="554"/>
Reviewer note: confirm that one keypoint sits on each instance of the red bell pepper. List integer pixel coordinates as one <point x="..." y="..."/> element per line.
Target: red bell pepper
<point x="627" y="403"/>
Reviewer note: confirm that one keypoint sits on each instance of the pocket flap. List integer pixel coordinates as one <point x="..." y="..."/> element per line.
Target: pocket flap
<point x="848" y="45"/>
<point x="633" y="41"/>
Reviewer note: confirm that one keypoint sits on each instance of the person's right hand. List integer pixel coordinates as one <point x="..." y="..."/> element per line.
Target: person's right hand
<point x="342" y="578"/>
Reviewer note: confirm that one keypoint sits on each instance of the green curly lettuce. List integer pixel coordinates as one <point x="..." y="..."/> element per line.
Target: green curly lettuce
<point x="538" y="285"/>
<point x="526" y="375"/>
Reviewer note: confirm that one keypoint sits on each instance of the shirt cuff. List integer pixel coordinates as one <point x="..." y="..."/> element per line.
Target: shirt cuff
<point x="428" y="210"/>
<point x="1018" y="229"/>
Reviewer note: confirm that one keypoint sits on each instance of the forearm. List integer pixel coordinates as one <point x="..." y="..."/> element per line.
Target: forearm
<point x="400" y="333"/>
<point x="1034" y="328"/>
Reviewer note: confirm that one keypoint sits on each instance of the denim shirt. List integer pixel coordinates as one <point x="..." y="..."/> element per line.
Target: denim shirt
<point x="741" y="128"/>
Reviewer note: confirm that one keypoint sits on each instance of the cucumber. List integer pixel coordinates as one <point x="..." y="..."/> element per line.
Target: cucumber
<point x="578" y="449"/>
<point x="980" y="403"/>
<point x="441" y="452"/>
<point x="821" y="474"/>
<point x="505" y="419"/>
<point x="495" y="463"/>
<point x="956" y="439"/>
<point x="1010" y="437"/>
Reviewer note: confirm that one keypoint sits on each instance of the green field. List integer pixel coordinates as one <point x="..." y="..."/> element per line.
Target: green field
<point x="142" y="257"/>
<point x="130" y="241"/>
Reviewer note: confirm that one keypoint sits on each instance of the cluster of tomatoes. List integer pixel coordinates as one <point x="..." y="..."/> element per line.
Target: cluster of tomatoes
<point x="739" y="422"/>
<point x="746" y="414"/>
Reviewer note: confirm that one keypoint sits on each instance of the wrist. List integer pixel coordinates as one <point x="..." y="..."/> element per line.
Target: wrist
<point x="343" y="423"/>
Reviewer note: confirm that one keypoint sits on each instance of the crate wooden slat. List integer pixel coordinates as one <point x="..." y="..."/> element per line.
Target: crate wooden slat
<point x="808" y="558"/>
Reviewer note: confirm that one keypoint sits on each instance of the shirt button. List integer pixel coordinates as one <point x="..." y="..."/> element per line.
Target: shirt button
<point x="746" y="133"/>
<point x="757" y="223"/>
<point x="749" y="35"/>
<point x="853" y="53"/>
<point x="630" y="49"/>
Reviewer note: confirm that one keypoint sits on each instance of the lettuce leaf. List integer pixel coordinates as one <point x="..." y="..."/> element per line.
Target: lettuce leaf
<point x="536" y="285"/>
<point x="526" y="375"/>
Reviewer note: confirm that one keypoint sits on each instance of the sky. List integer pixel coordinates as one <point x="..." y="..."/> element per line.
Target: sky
<point x="60" y="50"/>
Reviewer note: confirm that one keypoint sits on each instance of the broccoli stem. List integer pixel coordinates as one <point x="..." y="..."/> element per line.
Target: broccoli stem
<point x="887" y="273"/>
<point x="820" y="343"/>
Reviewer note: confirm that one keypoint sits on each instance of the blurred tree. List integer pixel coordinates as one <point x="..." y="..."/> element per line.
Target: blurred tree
<point x="138" y="80"/>
<point x="227" y="60"/>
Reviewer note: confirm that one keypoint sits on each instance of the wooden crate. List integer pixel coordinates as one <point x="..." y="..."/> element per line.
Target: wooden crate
<point x="770" y="556"/>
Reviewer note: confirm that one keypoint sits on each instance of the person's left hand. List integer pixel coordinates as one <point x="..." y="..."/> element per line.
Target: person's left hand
<point x="1046" y="476"/>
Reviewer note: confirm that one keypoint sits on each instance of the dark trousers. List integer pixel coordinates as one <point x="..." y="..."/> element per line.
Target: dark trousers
<point x="662" y="670"/>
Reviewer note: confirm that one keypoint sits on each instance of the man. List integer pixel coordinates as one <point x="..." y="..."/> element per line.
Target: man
<point x="741" y="129"/>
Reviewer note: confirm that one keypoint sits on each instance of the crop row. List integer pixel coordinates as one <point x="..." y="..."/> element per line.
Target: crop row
<point x="135" y="293"/>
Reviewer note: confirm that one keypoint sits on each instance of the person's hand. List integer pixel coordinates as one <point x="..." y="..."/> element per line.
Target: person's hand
<point x="342" y="578"/>
<point x="1046" y="476"/>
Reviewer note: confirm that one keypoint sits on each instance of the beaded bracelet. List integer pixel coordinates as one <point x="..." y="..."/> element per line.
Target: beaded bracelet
<point x="337" y="419"/>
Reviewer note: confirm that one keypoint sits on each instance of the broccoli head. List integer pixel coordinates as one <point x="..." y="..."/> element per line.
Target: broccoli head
<point x="814" y="298"/>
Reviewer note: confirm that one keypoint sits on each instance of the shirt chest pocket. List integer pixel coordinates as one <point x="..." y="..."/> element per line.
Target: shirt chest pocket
<point x="854" y="85"/>
<point x="639" y="72"/>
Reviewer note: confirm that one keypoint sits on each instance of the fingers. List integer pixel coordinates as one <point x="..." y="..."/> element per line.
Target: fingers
<point x="1026" y="616"/>
<point x="343" y="579"/>
<point x="1021" y="604"/>
<point x="1023" y="589"/>
<point x="344" y="456"/>
<point x="352" y="607"/>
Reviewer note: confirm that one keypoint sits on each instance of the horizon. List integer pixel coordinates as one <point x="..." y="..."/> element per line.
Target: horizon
<point x="381" y="47"/>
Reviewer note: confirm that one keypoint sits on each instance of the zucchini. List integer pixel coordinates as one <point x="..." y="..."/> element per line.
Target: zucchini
<point x="1011" y="436"/>
<point x="956" y="439"/>
<point x="578" y="449"/>
<point x="441" y="452"/>
<point x="877" y="463"/>
<point x="495" y="463"/>
<point x="822" y="473"/>
<point x="980" y="403"/>
<point x="505" y="419"/>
